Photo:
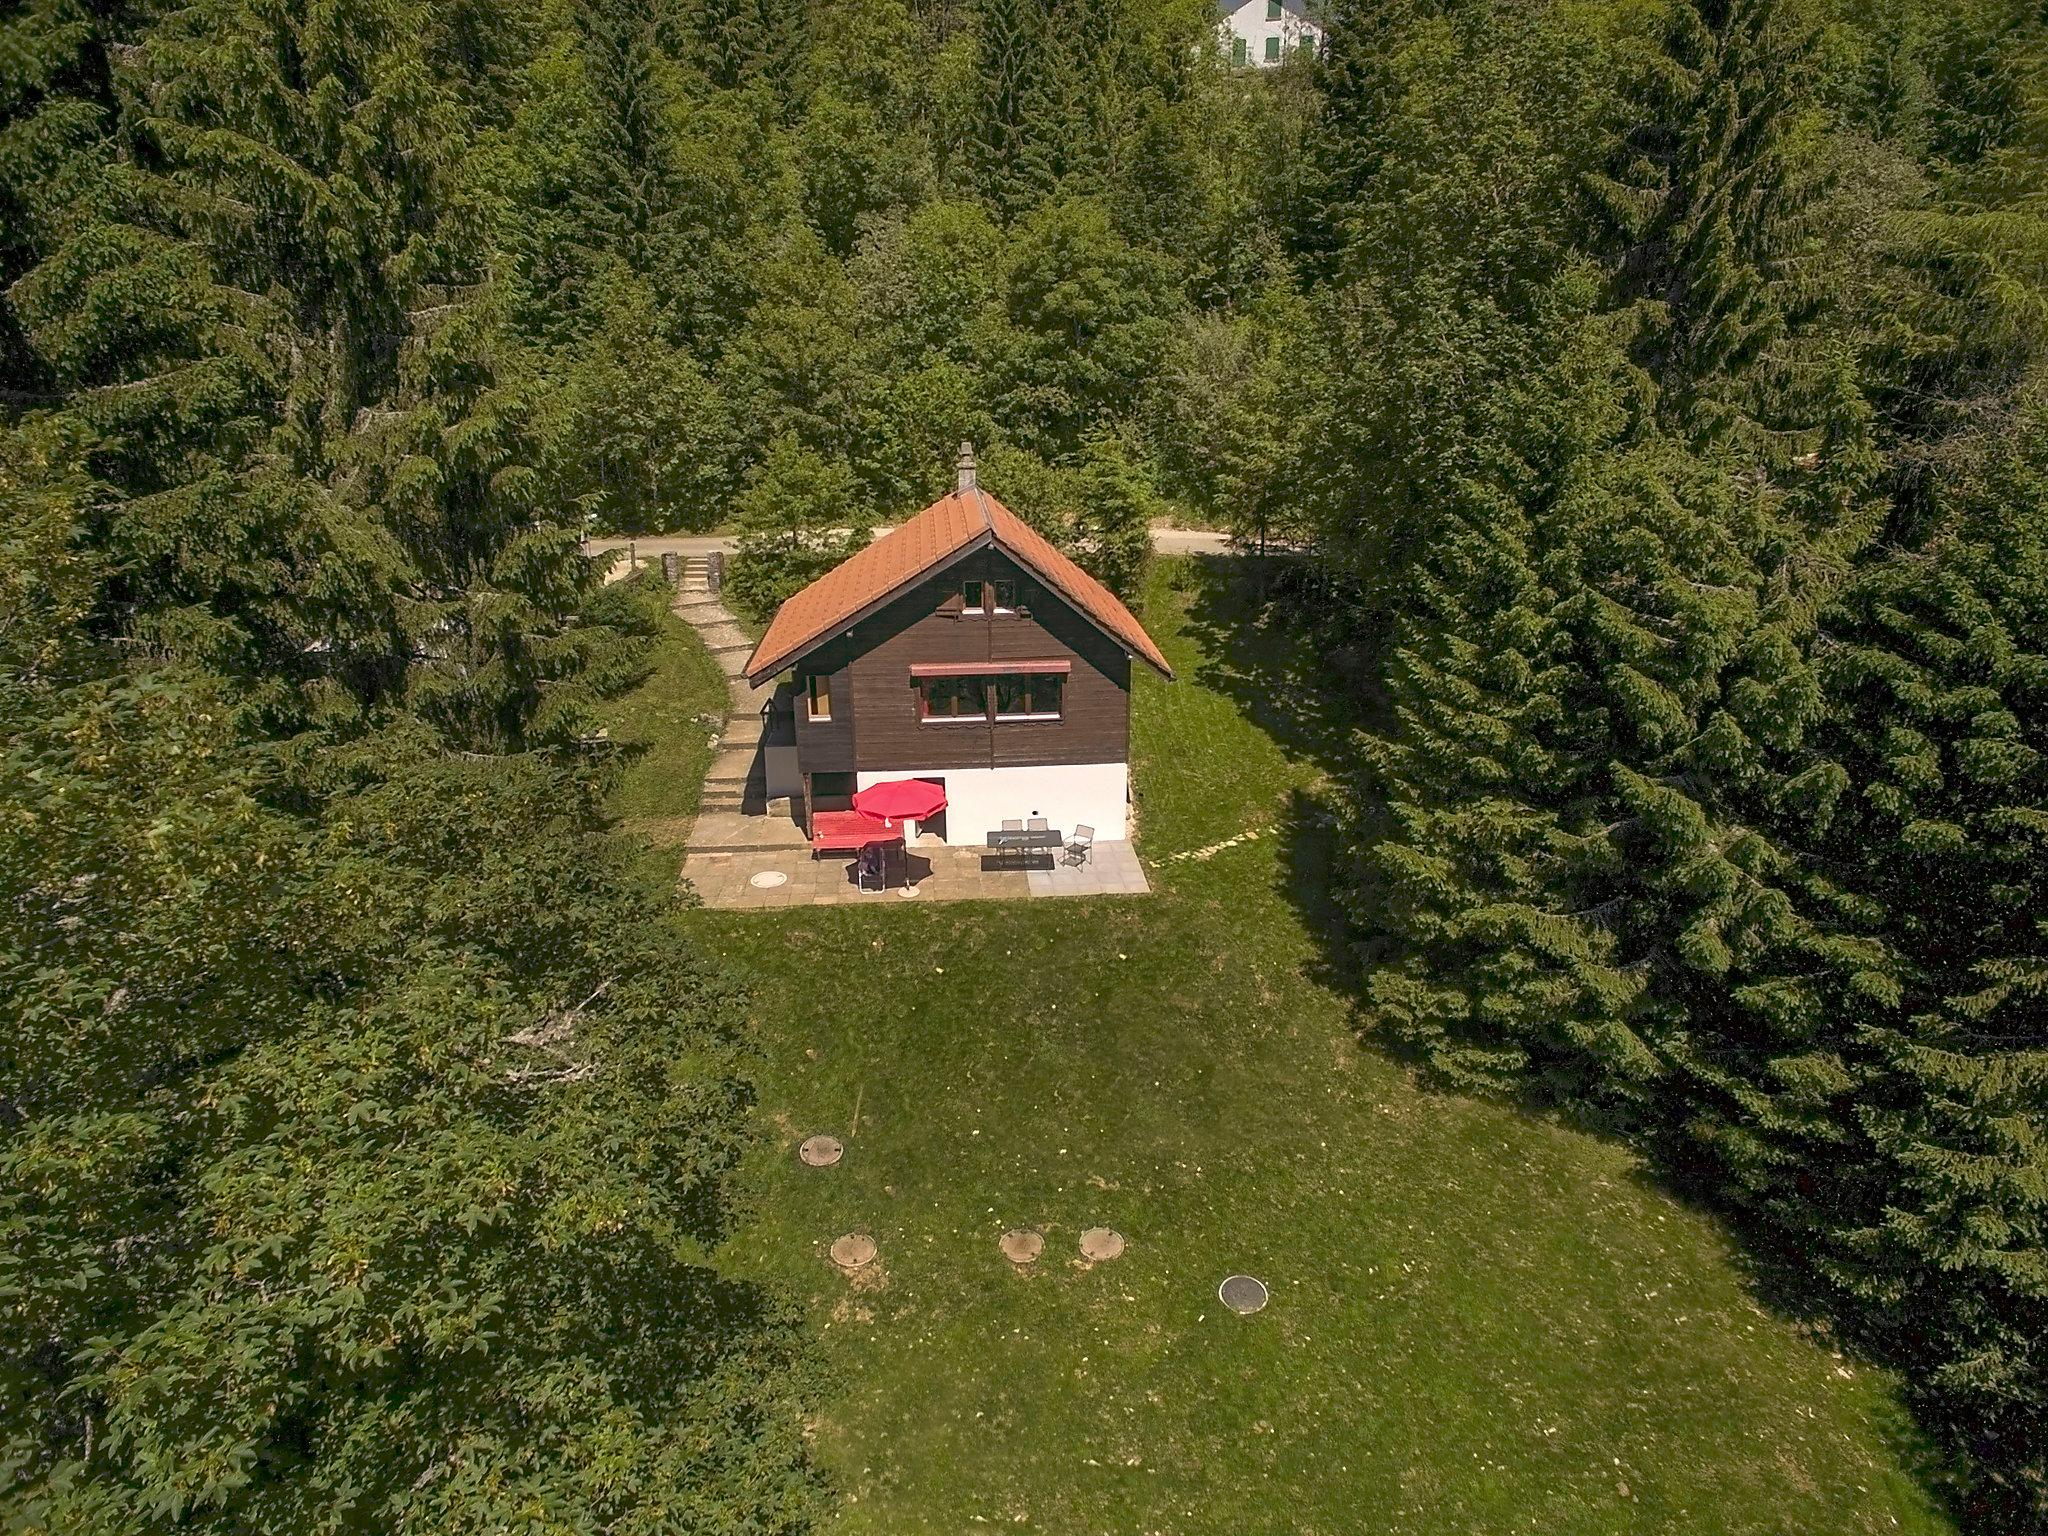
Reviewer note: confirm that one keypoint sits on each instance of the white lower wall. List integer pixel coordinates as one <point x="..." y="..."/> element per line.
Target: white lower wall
<point x="979" y="800"/>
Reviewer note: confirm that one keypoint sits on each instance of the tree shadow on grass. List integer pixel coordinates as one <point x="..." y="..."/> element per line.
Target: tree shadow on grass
<point x="1309" y="694"/>
<point x="1315" y="696"/>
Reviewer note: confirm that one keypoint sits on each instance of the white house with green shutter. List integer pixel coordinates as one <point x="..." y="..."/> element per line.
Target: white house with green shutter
<point x="1263" y="32"/>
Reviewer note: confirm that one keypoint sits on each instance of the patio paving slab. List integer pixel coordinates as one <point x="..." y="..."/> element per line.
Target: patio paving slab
<point x="939" y="873"/>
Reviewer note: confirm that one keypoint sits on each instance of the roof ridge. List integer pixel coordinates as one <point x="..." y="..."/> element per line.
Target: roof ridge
<point x="918" y="546"/>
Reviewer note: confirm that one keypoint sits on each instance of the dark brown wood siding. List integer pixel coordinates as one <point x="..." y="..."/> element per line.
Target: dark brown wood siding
<point x="825" y="746"/>
<point x="871" y="666"/>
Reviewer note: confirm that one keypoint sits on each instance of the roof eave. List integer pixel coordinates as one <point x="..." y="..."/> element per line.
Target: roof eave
<point x="1122" y="642"/>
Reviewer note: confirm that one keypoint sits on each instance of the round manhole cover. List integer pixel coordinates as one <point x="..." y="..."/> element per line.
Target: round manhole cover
<point x="1099" y="1243"/>
<point x="1241" y="1293"/>
<point x="856" y="1250"/>
<point x="768" y="879"/>
<point x="1021" y="1245"/>
<point x="820" y="1151"/>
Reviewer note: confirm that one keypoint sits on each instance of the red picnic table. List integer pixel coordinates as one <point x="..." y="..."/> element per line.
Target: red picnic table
<point x="849" y="831"/>
<point x="840" y="831"/>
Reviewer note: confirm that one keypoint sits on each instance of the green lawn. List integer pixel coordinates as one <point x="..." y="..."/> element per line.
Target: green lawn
<point x="1480" y="1322"/>
<point x="665" y="725"/>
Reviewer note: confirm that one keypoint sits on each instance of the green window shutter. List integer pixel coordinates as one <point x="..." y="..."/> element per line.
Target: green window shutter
<point x="1272" y="50"/>
<point x="1272" y="10"/>
<point x="1237" y="52"/>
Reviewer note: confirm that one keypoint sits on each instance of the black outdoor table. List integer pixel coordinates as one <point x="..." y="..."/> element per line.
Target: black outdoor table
<point x="1006" y="843"/>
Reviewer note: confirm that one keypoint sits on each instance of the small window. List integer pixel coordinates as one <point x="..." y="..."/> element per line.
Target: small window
<point x="970" y="597"/>
<point x="819" y="685"/>
<point x="1030" y="696"/>
<point x="1006" y="596"/>
<point x="1237" y="51"/>
<point x="1272" y="50"/>
<point x="1272" y="10"/>
<point x="953" y="698"/>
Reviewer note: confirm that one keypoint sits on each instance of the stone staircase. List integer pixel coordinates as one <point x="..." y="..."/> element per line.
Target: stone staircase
<point x="733" y="815"/>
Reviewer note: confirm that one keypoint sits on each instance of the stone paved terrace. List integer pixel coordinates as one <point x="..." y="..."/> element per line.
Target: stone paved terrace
<point x="937" y="872"/>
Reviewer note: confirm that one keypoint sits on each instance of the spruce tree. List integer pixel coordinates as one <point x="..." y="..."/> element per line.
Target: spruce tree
<point x="280" y="321"/>
<point x="1938" y="672"/>
<point x="1355" y="91"/>
<point x="1705" y="201"/>
<point x="627" y="204"/>
<point x="1012" y="171"/>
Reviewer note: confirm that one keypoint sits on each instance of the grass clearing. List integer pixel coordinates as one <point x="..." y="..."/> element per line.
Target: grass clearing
<point x="1479" y="1321"/>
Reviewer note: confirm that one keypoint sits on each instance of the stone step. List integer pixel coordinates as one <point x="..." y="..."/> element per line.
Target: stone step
<point x="729" y="648"/>
<point x="728" y="831"/>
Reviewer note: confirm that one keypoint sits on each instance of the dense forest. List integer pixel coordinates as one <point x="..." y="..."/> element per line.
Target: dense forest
<point x="1654" y="393"/>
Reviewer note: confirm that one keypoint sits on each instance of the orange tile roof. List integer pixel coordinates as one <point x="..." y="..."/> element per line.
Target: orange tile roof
<point x="904" y="554"/>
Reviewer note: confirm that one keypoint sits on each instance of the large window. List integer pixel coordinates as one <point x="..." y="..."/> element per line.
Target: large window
<point x="1272" y="50"/>
<point x="1030" y="696"/>
<point x="1009" y="695"/>
<point x="820" y="688"/>
<point x="953" y="698"/>
<point x="1272" y="10"/>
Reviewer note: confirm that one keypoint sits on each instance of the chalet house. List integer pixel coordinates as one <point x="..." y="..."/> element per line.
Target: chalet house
<point x="963" y="647"/>
<point x="1263" y="32"/>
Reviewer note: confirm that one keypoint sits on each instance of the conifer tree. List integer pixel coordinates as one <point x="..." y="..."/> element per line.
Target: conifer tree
<point x="1707" y="200"/>
<point x="1012" y="171"/>
<point x="1939" y="678"/>
<point x="286" y="337"/>
<point x="1361" y="39"/>
<point x="628" y="203"/>
<point x="751" y="42"/>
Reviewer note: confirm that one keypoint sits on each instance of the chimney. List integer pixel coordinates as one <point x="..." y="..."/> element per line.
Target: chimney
<point x="966" y="467"/>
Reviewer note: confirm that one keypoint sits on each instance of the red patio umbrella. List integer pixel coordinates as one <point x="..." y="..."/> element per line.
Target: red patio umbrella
<point x="901" y="800"/>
